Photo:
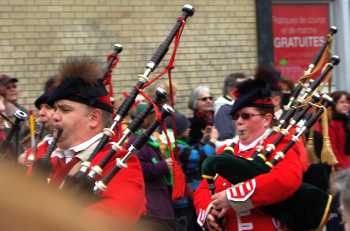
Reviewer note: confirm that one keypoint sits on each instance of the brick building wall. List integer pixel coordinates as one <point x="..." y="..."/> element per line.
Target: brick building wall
<point x="36" y="35"/>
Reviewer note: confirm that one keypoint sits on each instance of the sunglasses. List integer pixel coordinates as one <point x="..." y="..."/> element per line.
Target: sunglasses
<point x="244" y="116"/>
<point x="206" y="98"/>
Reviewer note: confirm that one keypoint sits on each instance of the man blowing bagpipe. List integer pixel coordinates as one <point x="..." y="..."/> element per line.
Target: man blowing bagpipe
<point x="82" y="109"/>
<point x="87" y="156"/>
<point x="44" y="135"/>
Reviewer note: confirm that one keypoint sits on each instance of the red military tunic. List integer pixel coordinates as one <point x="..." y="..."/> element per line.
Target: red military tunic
<point x="124" y="197"/>
<point x="266" y="189"/>
<point x="41" y="151"/>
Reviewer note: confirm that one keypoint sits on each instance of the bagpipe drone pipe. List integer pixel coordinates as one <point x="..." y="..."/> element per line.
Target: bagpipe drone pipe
<point x="308" y="207"/>
<point x="10" y="147"/>
<point x="314" y="68"/>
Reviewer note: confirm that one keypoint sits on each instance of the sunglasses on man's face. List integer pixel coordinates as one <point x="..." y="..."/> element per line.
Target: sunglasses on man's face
<point x="210" y="98"/>
<point x="244" y="115"/>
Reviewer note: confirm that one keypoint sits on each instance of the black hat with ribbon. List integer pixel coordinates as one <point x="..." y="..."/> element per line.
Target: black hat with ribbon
<point x="256" y="91"/>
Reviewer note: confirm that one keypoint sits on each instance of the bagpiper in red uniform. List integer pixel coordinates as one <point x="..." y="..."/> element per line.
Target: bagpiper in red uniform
<point x="45" y="118"/>
<point x="246" y="198"/>
<point x="82" y="109"/>
<point x="239" y="204"/>
<point x="27" y="157"/>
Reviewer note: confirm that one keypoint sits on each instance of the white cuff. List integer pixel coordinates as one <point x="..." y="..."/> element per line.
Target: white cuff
<point x="203" y="214"/>
<point x="239" y="195"/>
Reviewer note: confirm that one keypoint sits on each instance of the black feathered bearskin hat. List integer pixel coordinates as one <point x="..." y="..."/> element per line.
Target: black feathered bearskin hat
<point x="256" y="91"/>
<point x="80" y="80"/>
<point x="49" y="86"/>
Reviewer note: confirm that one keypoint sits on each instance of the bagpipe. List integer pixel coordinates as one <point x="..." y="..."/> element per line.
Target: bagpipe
<point x="10" y="147"/>
<point x="92" y="178"/>
<point x="309" y="206"/>
<point x="20" y="116"/>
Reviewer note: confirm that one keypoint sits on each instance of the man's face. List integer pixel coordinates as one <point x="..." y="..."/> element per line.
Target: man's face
<point x="73" y="118"/>
<point x="45" y="115"/>
<point x="250" y="124"/>
<point x="11" y="92"/>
